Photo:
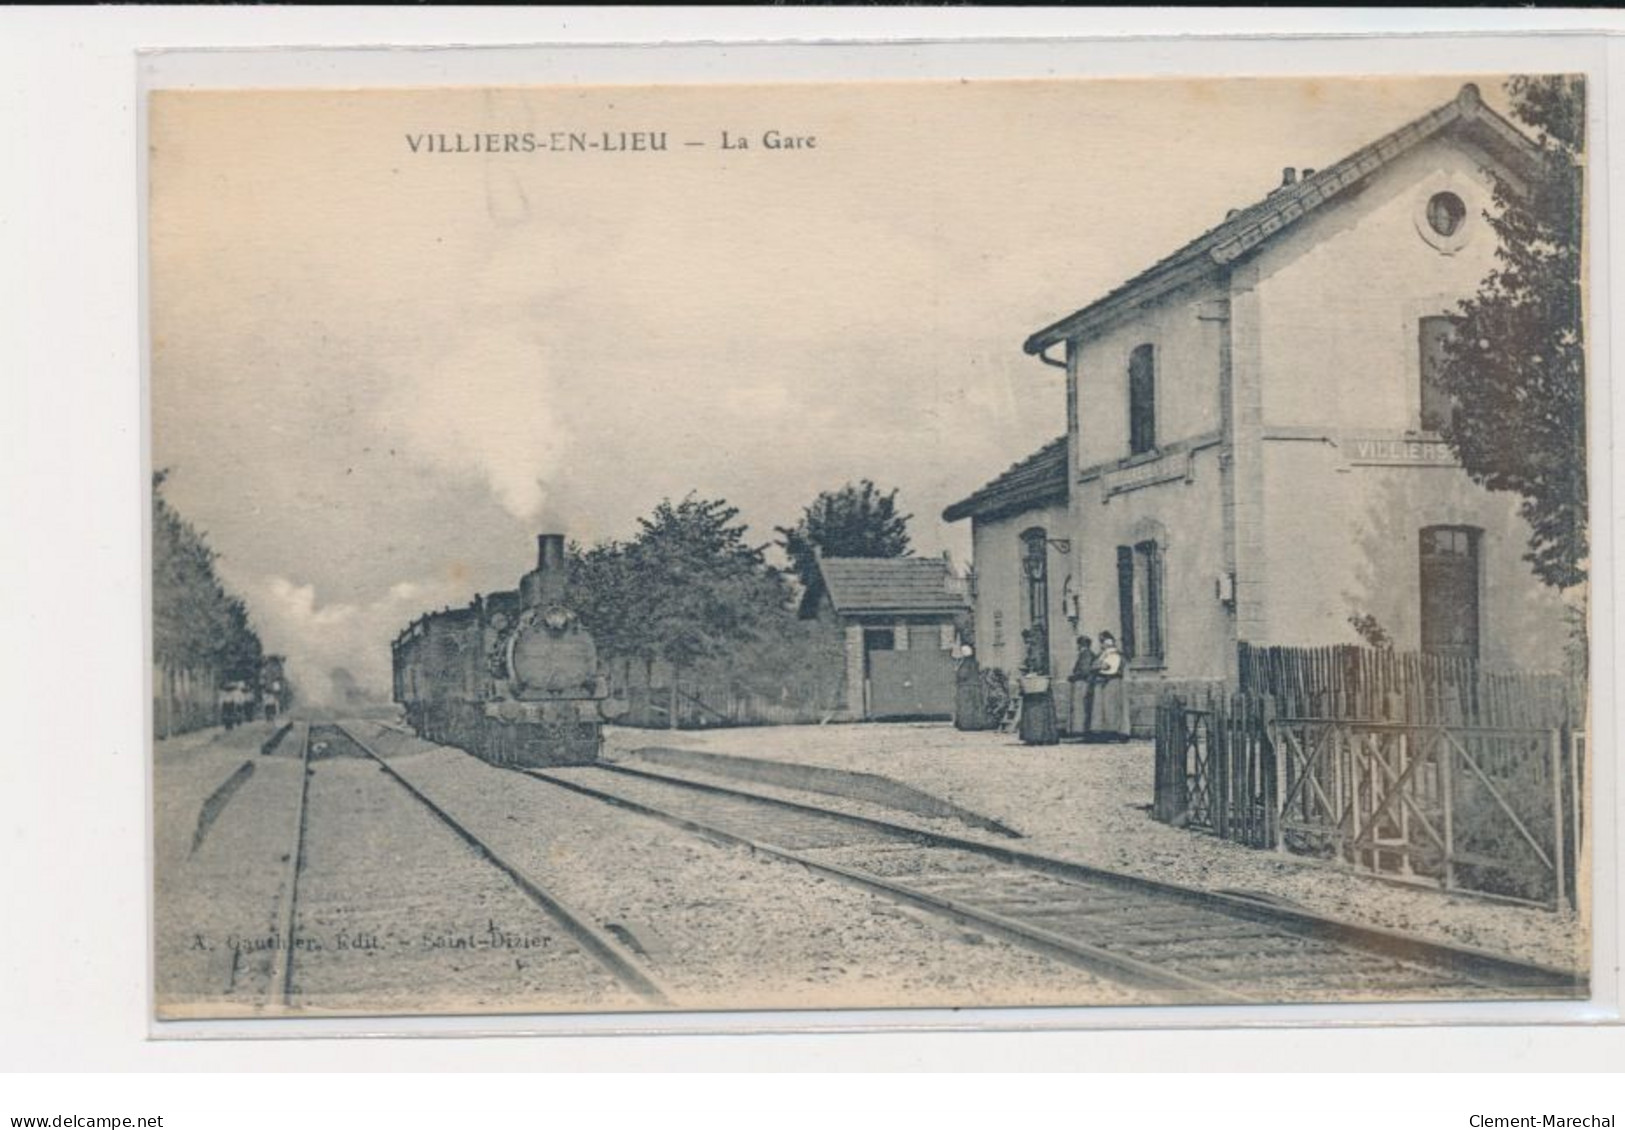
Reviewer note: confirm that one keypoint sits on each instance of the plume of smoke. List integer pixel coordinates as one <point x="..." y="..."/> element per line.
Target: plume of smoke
<point x="489" y="409"/>
<point x="353" y="636"/>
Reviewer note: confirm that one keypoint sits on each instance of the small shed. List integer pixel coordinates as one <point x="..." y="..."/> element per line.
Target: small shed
<point x="899" y="620"/>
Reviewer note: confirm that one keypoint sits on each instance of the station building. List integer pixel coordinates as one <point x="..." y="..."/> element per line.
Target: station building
<point x="1251" y="449"/>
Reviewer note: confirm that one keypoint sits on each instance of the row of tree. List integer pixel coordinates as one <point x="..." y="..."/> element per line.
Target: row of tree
<point x="196" y="624"/>
<point x="693" y="592"/>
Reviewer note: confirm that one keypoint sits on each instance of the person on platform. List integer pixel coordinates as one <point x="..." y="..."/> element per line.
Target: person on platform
<point x="1038" y="726"/>
<point x="1083" y="688"/>
<point x="1110" y="698"/>
<point x="970" y="698"/>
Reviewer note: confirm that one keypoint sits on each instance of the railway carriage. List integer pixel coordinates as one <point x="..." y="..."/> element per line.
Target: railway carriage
<point x="513" y="678"/>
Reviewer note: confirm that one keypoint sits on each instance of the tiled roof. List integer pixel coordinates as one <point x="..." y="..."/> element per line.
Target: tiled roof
<point x="1037" y="480"/>
<point x="1244" y="230"/>
<point x="890" y="584"/>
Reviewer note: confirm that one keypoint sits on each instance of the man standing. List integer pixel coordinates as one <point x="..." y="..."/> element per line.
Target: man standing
<point x="1083" y="688"/>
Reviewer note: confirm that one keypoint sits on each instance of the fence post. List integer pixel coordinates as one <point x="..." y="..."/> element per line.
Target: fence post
<point x="1571" y="750"/>
<point x="1181" y="767"/>
<point x="1270" y="765"/>
<point x="1560" y="896"/>
<point x="1447" y="802"/>
<point x="1159" y="784"/>
<point x="1282" y="774"/>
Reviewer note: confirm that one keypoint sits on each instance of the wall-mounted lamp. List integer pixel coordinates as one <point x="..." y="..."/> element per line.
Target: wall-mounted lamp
<point x="1032" y="564"/>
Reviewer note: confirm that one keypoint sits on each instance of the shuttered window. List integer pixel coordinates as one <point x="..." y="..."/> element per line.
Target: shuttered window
<point x="1148" y="592"/>
<point x="1437" y="405"/>
<point x="1139" y="600"/>
<point x="1142" y="400"/>
<point x="1125" y="599"/>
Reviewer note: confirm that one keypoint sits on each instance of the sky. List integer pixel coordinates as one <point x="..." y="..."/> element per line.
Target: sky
<point x="379" y="369"/>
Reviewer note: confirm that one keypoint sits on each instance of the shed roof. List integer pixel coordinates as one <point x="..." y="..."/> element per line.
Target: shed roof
<point x="1038" y="480"/>
<point x="911" y="585"/>
<point x="1249" y="227"/>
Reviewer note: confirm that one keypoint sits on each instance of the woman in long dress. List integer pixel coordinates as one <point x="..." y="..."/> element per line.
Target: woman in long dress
<point x="1038" y="725"/>
<point x="1111" y="702"/>
<point x="970" y="699"/>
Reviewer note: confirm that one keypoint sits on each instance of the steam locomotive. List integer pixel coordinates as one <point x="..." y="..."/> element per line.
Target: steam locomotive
<point x="513" y="678"/>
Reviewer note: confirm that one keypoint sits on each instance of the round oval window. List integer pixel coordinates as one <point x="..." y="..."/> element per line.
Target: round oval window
<point x="1446" y="213"/>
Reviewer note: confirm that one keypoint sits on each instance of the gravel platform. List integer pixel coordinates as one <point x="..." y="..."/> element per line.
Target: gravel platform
<point x="211" y="903"/>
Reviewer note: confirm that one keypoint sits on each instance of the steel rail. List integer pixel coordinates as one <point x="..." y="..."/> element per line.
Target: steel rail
<point x="1480" y="967"/>
<point x="608" y="952"/>
<point x="280" y="992"/>
<point x="1082" y="954"/>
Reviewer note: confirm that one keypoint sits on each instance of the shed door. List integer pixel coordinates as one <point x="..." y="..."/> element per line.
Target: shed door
<point x="911" y="684"/>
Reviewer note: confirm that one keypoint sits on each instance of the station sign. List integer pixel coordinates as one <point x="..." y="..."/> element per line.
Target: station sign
<point x="1388" y="451"/>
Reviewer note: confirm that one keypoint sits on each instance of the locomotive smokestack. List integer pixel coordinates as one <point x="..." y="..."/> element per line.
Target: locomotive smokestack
<point x="549" y="552"/>
<point x="546" y="585"/>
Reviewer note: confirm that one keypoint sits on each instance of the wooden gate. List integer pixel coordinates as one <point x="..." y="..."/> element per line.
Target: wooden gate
<point x="1479" y="809"/>
<point x="1485" y="809"/>
<point x="1216" y="770"/>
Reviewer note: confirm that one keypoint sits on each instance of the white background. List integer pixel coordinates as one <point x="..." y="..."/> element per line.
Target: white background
<point x="73" y="927"/>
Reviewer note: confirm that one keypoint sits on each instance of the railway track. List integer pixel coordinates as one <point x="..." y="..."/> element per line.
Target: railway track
<point x="578" y="951"/>
<point x="1184" y="945"/>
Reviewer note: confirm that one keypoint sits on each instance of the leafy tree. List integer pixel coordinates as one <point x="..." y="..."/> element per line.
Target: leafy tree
<point x="1516" y="364"/>
<point x="692" y="592"/>
<point x="705" y="587"/>
<point x="855" y="521"/>
<point x="604" y="591"/>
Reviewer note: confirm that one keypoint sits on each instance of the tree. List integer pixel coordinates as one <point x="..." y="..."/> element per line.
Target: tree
<point x="196" y="625"/>
<point x="1516" y="364"/>
<point x="605" y="594"/>
<point x="688" y="590"/>
<point x="705" y="588"/>
<point x="855" y="521"/>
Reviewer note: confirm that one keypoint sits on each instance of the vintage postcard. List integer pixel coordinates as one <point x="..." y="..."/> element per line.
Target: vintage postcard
<point x="991" y="544"/>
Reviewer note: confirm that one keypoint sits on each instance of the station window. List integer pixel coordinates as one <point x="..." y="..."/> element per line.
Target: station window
<point x="1445" y="213"/>
<point x="1139" y="600"/>
<point x="1438" y="407"/>
<point x="1142" y="400"/>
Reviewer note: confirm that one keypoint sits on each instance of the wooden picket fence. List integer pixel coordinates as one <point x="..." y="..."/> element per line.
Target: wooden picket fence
<point x="1381" y="685"/>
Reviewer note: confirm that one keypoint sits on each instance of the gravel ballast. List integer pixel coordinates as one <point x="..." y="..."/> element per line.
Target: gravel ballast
<point x="1091" y="804"/>
<point x="725" y="928"/>
<point x="398" y="914"/>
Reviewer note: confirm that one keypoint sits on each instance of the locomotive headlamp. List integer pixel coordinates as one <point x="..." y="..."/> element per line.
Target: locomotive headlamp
<point x="556" y="619"/>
